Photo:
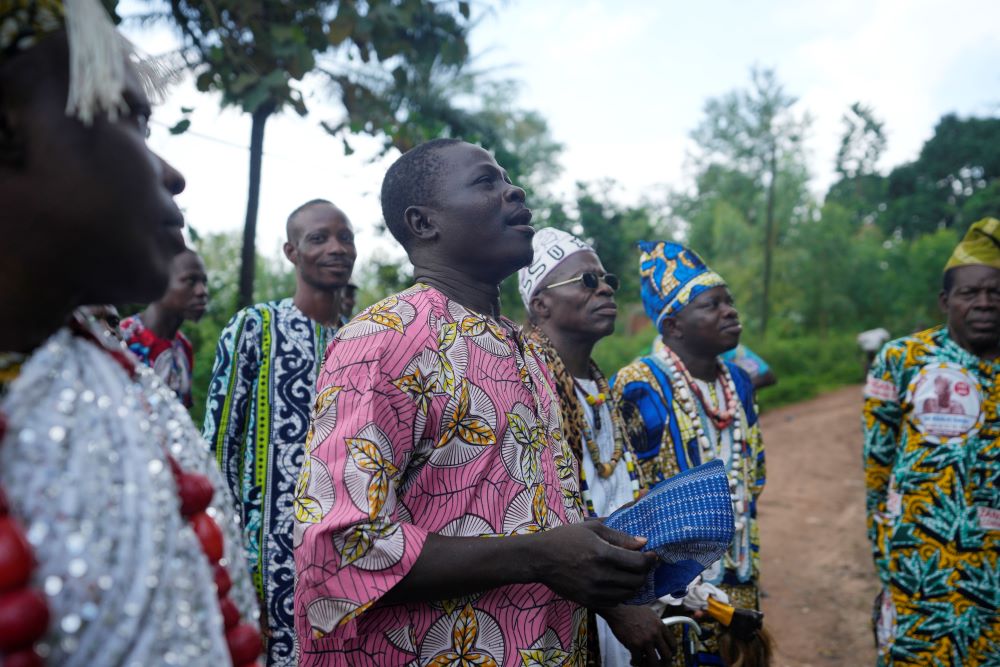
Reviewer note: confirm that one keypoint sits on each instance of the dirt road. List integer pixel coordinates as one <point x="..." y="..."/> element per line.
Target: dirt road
<point x="817" y="568"/>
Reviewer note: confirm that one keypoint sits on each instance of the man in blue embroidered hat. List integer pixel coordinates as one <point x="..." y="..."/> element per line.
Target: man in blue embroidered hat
<point x="570" y="301"/>
<point x="932" y="468"/>
<point x="683" y="406"/>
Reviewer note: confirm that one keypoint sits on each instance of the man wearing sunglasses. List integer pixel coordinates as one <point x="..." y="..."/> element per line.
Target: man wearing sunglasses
<point x="570" y="302"/>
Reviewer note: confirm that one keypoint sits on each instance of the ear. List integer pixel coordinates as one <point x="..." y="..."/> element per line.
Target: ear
<point x="291" y="252"/>
<point x="943" y="301"/>
<point x="539" y="306"/>
<point x="669" y="328"/>
<point x="419" y="223"/>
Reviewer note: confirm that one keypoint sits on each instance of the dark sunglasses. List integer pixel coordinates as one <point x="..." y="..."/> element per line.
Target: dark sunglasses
<point x="590" y="280"/>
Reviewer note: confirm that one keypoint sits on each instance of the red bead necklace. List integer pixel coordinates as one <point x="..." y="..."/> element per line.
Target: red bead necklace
<point x="24" y="614"/>
<point x="195" y="492"/>
<point x="723" y="415"/>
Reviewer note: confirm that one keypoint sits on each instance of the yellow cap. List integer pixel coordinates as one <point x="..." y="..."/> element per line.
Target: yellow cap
<point x="980" y="247"/>
<point x="720" y="611"/>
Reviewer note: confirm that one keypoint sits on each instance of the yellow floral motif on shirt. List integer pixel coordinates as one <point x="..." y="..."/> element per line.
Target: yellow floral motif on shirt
<point x="463" y="651"/>
<point x="360" y="539"/>
<point x="382" y="314"/>
<point x="532" y="442"/>
<point x="477" y="325"/>
<point x="543" y="657"/>
<point x="307" y="510"/>
<point x="565" y="461"/>
<point x="540" y="516"/>
<point x="367" y="456"/>
<point x="578" y="651"/>
<point x="446" y="375"/>
<point x="419" y="387"/>
<point x="324" y="416"/>
<point x="470" y="428"/>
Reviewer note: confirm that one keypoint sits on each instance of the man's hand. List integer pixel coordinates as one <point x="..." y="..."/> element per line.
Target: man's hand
<point x="640" y="630"/>
<point x="592" y="564"/>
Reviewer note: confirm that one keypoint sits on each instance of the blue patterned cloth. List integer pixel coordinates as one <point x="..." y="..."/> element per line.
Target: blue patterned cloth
<point x="688" y="520"/>
<point x="256" y="422"/>
<point x="671" y="276"/>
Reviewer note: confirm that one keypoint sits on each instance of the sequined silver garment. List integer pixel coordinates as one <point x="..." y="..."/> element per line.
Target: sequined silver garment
<point x="85" y="469"/>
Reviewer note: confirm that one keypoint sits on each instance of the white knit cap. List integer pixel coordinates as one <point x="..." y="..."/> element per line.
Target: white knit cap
<point x="551" y="247"/>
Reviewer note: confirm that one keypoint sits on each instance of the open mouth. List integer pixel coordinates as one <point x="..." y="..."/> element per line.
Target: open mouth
<point x="521" y="218"/>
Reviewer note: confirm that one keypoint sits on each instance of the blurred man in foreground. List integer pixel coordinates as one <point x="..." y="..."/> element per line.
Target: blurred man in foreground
<point x="117" y="533"/>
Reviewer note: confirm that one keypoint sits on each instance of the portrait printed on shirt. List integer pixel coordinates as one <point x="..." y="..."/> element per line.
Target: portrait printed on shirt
<point x="946" y="402"/>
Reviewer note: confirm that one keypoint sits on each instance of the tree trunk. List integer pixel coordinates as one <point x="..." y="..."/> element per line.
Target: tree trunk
<point x="249" y="255"/>
<point x="765" y="310"/>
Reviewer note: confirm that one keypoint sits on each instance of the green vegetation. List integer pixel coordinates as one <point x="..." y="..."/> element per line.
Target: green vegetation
<point x="869" y="255"/>
<point x="806" y="366"/>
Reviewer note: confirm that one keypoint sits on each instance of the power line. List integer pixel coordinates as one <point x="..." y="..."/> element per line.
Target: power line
<point x="201" y="135"/>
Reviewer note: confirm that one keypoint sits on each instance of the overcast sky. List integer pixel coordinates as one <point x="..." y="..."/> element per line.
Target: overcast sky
<point x="622" y="83"/>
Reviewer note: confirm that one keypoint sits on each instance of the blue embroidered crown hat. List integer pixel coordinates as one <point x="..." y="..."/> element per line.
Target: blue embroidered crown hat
<point x="671" y="276"/>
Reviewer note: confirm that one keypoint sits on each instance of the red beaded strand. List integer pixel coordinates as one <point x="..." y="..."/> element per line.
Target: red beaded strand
<point x="722" y="416"/>
<point x="24" y="614"/>
<point x="195" y="493"/>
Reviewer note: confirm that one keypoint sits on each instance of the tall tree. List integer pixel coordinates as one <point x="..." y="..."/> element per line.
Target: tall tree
<point x="862" y="144"/>
<point x="256" y="53"/>
<point x="757" y="133"/>
<point x="860" y="190"/>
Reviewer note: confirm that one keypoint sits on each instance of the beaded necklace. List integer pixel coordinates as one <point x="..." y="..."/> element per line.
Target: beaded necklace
<point x="604" y="469"/>
<point x="24" y="613"/>
<point x="685" y="390"/>
<point x="595" y="402"/>
<point x="195" y="493"/>
<point x="568" y="398"/>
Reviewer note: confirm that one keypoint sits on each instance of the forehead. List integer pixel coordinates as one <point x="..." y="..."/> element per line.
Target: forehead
<point x="322" y="216"/>
<point x="719" y="292"/>
<point x="574" y="265"/>
<point x="463" y="157"/>
<point x="975" y="276"/>
<point x="188" y="261"/>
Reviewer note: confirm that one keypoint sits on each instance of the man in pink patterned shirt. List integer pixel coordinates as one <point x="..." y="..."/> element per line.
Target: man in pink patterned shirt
<point x="438" y="518"/>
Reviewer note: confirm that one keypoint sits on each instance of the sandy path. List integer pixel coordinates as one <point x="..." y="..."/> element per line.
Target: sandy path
<point x="817" y="568"/>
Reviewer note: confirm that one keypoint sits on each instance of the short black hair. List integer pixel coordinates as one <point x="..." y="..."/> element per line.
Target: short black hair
<point x="291" y="216"/>
<point x="411" y="181"/>
<point x="948" y="280"/>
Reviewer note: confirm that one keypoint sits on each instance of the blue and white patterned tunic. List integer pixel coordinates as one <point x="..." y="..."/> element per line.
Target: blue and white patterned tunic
<point x="256" y="421"/>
